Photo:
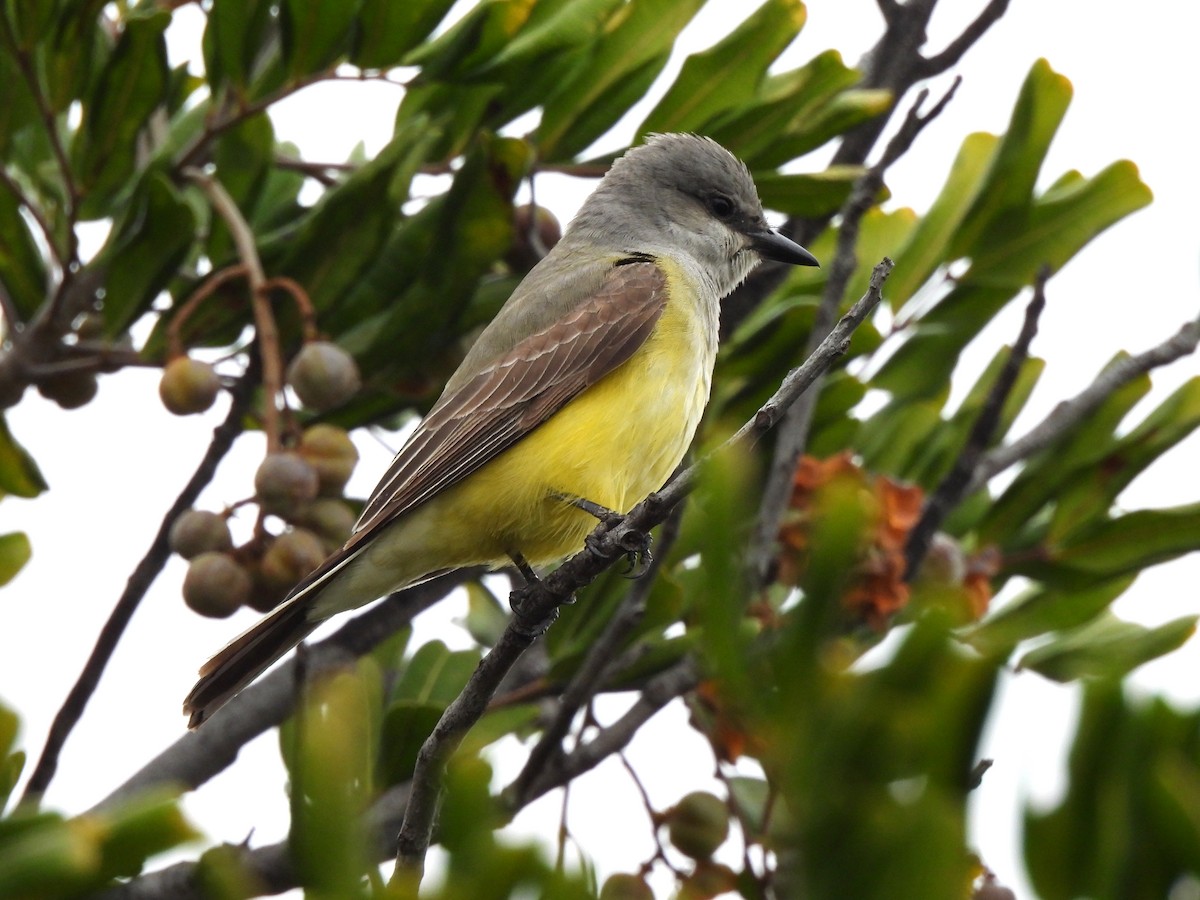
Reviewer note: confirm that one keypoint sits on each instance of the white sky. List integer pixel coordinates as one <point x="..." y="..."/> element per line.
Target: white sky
<point x="1130" y="289"/>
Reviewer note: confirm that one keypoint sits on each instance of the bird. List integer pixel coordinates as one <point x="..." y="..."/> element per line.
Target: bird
<point x="578" y="400"/>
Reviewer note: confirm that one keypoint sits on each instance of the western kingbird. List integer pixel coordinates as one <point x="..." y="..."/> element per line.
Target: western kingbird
<point x="585" y="391"/>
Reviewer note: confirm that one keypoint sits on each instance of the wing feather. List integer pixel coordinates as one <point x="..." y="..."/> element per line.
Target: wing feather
<point x="517" y="392"/>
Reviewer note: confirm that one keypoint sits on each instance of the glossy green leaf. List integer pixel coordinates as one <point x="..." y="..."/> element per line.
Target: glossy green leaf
<point x="893" y="440"/>
<point x="15" y="551"/>
<point x="145" y="250"/>
<point x="316" y="33"/>
<point x="236" y="33"/>
<point x="387" y="30"/>
<point x="139" y="828"/>
<point x="929" y="245"/>
<point x="79" y="49"/>
<point x="809" y="195"/>
<point x="18" y="111"/>
<point x="11" y="768"/>
<point x="22" y="270"/>
<point x="1106" y="647"/>
<point x="29" y="20"/>
<point x="1076" y="450"/>
<point x="435" y="674"/>
<point x="843" y="112"/>
<point x="19" y="474"/>
<point x="728" y="74"/>
<point x="605" y="84"/>
<point x="1059" y="225"/>
<point x="1041" y="610"/>
<point x="472" y="41"/>
<point x="131" y="86"/>
<point x="785" y="102"/>
<point x="1017" y="160"/>
<point x="486" y="619"/>
<point x="244" y="155"/>
<point x="1091" y="493"/>
<point x="332" y="784"/>
<point x="552" y="28"/>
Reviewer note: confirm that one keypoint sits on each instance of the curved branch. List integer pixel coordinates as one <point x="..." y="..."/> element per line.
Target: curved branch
<point x="135" y="588"/>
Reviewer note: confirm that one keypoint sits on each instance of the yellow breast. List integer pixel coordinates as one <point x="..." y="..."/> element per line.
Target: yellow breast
<point x="613" y="444"/>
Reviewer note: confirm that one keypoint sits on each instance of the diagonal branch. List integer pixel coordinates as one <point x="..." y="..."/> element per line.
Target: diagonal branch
<point x="988" y="16"/>
<point x="135" y="589"/>
<point x="1069" y="413"/>
<point x="539" y="602"/>
<point x="793" y="432"/>
<point x="199" y="755"/>
<point x="953" y="487"/>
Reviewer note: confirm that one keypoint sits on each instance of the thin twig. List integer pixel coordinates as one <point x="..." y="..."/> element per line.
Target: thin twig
<point x="1069" y="413"/>
<point x="793" y="431"/>
<point x="206" y="289"/>
<point x="35" y="213"/>
<point x="935" y="65"/>
<point x="264" y="319"/>
<point x="135" y="589"/>
<point x="600" y="658"/>
<point x="950" y="492"/>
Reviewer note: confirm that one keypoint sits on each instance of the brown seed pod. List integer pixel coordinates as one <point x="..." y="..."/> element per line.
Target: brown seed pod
<point x="70" y="390"/>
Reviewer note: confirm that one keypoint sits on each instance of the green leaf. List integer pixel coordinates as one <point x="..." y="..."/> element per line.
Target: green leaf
<point x="809" y="195"/>
<point x="1106" y="647"/>
<point x="727" y="75"/>
<point x="1079" y="448"/>
<point x="1090" y="494"/>
<point x="10" y="773"/>
<point x="19" y="110"/>
<point x="843" y="112"/>
<point x="486" y="618"/>
<point x="15" y="551"/>
<point x="929" y="245"/>
<point x="387" y="30"/>
<point x="130" y="87"/>
<point x="235" y="34"/>
<point x="471" y="41"/>
<point x="785" y="102"/>
<point x="145" y="250"/>
<point x="1017" y="160"/>
<point x="22" y="270"/>
<point x="552" y="29"/>
<point x="621" y="66"/>
<point x="435" y="674"/>
<point x="19" y="474"/>
<point x="244" y="156"/>
<point x="1041" y="610"/>
<point x="316" y="33"/>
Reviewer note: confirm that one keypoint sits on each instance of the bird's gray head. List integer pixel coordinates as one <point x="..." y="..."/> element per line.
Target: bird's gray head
<point x="685" y="195"/>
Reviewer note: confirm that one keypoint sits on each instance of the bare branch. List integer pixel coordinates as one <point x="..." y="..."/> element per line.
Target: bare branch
<point x="199" y="755"/>
<point x="659" y="691"/>
<point x="260" y="301"/>
<point x="953" y="486"/>
<point x="599" y="661"/>
<point x="793" y="432"/>
<point x="1069" y="413"/>
<point x="935" y="65"/>
<point x="135" y="589"/>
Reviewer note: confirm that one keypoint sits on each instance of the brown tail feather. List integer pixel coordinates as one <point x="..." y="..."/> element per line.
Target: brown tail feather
<point x="246" y="657"/>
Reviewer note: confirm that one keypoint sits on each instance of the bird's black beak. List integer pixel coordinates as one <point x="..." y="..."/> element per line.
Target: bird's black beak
<point x="770" y="244"/>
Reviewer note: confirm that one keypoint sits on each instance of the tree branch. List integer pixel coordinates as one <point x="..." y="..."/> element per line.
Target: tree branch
<point x="199" y="755"/>
<point x="538" y="602"/>
<point x="793" y="432"/>
<point x="1069" y="413"/>
<point x="935" y="65"/>
<point x="135" y="589"/>
<point x="953" y="486"/>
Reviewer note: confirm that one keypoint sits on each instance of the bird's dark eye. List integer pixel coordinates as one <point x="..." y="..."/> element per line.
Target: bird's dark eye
<point x="720" y="206"/>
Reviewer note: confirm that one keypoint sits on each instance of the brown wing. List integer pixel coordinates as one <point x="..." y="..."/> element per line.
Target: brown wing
<point x="520" y="390"/>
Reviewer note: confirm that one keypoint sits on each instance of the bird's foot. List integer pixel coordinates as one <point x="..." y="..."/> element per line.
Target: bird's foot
<point x="523" y="602"/>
